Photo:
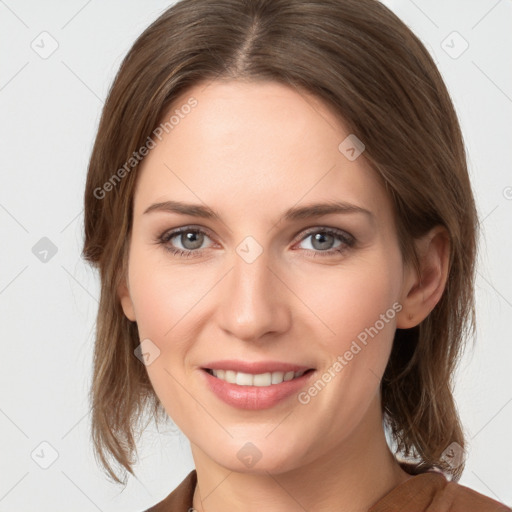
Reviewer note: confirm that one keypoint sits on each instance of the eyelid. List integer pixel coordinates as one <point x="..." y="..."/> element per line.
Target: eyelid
<point x="325" y="229"/>
<point x="168" y="234"/>
<point x="303" y="233"/>
<point x="347" y="240"/>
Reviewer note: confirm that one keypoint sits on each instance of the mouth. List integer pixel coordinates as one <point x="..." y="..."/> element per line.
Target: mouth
<point x="255" y="385"/>
<point x="258" y="380"/>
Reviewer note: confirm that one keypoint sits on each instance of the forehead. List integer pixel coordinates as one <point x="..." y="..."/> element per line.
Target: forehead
<point x="245" y="145"/>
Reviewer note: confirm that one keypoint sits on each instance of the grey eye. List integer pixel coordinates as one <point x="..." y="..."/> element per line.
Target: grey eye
<point x="322" y="241"/>
<point x="190" y="239"/>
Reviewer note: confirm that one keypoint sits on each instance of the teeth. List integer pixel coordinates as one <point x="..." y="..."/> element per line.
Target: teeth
<point x="260" y="380"/>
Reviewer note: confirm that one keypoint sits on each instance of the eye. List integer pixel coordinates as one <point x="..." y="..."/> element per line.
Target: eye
<point x="328" y="241"/>
<point x="190" y="239"/>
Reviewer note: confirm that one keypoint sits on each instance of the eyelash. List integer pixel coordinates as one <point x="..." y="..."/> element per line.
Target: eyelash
<point x="347" y="240"/>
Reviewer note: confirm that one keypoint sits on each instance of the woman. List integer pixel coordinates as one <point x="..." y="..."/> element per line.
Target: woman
<point x="279" y="206"/>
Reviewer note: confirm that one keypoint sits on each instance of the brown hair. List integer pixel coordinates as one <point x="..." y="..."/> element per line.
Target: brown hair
<point x="361" y="60"/>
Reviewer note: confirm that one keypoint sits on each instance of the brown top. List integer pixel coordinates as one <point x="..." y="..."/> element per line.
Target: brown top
<point x="428" y="492"/>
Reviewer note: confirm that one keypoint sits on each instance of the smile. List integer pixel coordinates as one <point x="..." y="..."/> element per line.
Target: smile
<point x="258" y="380"/>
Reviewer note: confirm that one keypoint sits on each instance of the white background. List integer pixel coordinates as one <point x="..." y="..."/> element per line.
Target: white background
<point x="50" y="110"/>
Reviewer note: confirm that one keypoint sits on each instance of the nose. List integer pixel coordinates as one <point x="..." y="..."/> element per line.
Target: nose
<point x="254" y="300"/>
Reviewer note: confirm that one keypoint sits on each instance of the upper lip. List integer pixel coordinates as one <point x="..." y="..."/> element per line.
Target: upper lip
<point x="255" y="367"/>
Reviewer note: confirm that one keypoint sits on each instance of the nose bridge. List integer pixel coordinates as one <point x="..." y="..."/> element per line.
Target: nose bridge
<point x="252" y="302"/>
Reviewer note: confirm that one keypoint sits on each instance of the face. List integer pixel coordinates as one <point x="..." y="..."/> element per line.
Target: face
<point x="245" y="274"/>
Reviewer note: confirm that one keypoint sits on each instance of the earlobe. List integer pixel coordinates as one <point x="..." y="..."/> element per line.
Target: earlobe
<point x="421" y="292"/>
<point x="126" y="301"/>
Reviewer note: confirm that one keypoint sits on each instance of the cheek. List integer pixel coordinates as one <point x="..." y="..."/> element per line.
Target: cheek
<point x="170" y="304"/>
<point x="164" y="294"/>
<point x="338" y="303"/>
<point x="166" y="301"/>
<point x="350" y="300"/>
<point x="358" y="307"/>
<point x="338" y="310"/>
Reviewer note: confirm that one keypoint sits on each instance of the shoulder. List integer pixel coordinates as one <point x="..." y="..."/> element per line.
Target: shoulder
<point x="427" y="492"/>
<point x="180" y="500"/>
<point x="432" y="492"/>
<point x="455" y="497"/>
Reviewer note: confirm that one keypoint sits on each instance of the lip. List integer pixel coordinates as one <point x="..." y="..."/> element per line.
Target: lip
<point x="255" y="367"/>
<point x="255" y="397"/>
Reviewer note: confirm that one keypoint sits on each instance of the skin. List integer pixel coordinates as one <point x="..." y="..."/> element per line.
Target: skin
<point x="250" y="151"/>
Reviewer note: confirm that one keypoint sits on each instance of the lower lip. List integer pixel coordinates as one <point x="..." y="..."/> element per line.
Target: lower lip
<point x="255" y="397"/>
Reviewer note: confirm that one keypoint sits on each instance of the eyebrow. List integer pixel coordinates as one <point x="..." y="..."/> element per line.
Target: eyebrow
<point x="292" y="214"/>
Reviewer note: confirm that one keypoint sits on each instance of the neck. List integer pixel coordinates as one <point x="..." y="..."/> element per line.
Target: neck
<point x="356" y="473"/>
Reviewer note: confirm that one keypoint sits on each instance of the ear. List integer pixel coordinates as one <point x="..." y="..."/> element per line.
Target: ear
<point x="123" y="293"/>
<point x="420" y="293"/>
